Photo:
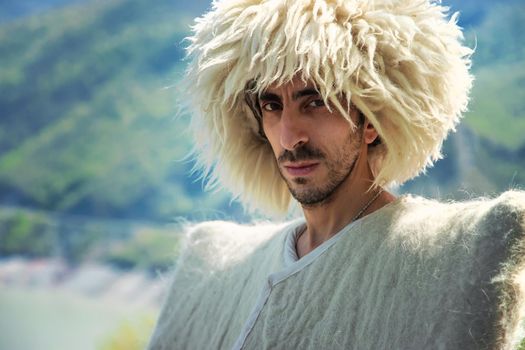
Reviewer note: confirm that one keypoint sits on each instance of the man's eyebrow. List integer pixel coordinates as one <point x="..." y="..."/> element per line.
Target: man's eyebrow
<point x="305" y="92"/>
<point x="268" y="96"/>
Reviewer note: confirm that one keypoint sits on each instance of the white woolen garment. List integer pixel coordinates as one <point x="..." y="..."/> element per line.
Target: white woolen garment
<point x="416" y="274"/>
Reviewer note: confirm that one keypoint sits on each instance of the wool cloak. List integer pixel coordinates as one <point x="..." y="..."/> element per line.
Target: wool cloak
<point x="416" y="274"/>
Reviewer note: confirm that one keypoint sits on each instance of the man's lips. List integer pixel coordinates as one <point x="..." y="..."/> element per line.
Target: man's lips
<point x="300" y="168"/>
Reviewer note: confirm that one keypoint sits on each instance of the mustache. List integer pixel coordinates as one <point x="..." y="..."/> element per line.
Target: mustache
<point x="304" y="152"/>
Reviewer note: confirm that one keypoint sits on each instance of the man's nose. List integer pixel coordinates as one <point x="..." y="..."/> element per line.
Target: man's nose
<point x="293" y="131"/>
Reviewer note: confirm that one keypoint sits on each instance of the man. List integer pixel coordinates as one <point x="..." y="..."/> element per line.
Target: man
<point x="330" y="103"/>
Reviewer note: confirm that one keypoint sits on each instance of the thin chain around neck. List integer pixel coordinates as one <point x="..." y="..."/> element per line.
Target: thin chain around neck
<point x="358" y="214"/>
<point x="367" y="205"/>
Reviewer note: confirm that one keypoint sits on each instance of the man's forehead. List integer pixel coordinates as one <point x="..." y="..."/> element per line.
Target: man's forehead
<point x="295" y="84"/>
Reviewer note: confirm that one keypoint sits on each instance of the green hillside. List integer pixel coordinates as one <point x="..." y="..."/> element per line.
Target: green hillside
<point x="497" y="110"/>
<point x="87" y="114"/>
<point x="88" y="126"/>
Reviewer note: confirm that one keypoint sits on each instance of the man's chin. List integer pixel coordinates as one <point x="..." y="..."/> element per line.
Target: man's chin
<point x="308" y="192"/>
<point x="307" y="195"/>
<point x="305" y="191"/>
<point x="300" y="181"/>
<point x="311" y="199"/>
<point x="301" y="184"/>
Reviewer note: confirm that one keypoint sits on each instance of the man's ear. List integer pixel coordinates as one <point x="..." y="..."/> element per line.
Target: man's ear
<point x="369" y="133"/>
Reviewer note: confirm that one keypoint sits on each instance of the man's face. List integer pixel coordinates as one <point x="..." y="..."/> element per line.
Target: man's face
<point x="316" y="149"/>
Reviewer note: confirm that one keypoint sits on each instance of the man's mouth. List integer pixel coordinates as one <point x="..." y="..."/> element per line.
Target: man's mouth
<point x="300" y="168"/>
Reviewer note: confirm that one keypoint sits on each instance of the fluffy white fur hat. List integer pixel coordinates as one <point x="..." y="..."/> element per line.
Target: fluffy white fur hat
<point x="401" y="62"/>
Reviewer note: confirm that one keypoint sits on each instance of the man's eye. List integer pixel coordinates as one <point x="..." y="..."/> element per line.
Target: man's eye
<point x="316" y="103"/>
<point x="270" y="106"/>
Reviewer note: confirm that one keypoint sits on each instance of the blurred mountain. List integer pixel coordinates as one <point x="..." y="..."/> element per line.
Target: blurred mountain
<point x="87" y="111"/>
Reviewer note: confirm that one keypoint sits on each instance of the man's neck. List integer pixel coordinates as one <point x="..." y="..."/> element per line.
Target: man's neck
<point x="325" y="220"/>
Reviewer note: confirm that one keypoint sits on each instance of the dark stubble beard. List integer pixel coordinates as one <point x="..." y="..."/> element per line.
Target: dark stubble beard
<point x="339" y="169"/>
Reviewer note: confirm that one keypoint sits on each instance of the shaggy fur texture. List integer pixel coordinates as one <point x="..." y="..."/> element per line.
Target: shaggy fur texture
<point x="417" y="274"/>
<point x="401" y="62"/>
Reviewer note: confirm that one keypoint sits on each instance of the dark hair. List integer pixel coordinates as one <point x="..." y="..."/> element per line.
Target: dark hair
<point x="252" y="101"/>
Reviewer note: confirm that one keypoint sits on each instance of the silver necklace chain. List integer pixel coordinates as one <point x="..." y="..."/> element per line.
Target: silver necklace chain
<point x="358" y="214"/>
<point x="367" y="205"/>
<point x="354" y="219"/>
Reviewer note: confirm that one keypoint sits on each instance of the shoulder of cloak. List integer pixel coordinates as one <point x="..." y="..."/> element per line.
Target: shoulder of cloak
<point x="217" y="278"/>
<point x="468" y="260"/>
<point x="418" y="274"/>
